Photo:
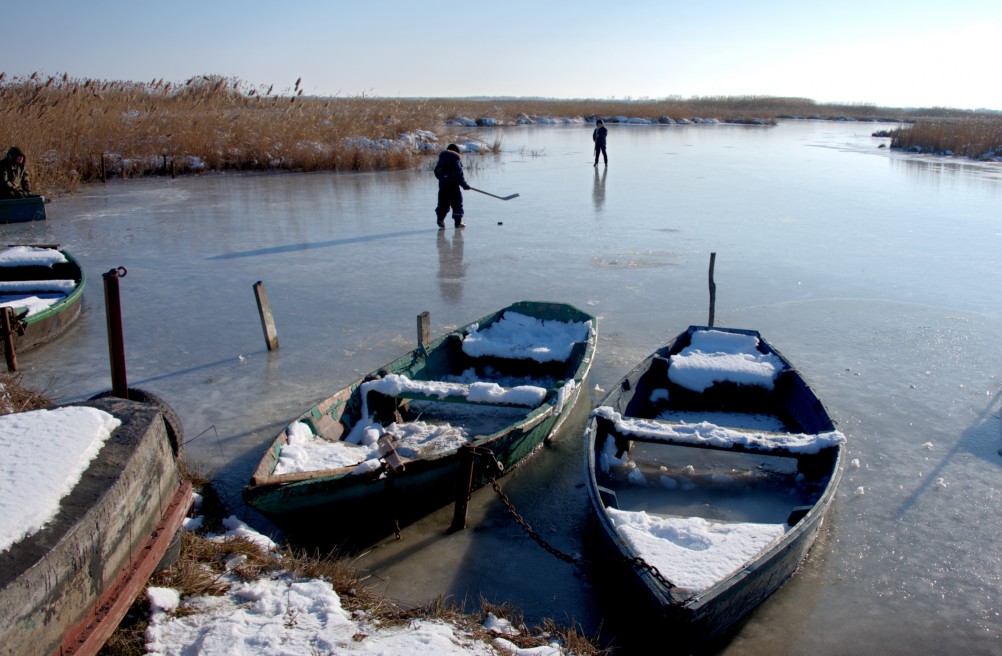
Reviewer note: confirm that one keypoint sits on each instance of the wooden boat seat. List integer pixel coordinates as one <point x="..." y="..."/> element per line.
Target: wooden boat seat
<point x="457" y="393"/>
<point x="454" y="399"/>
<point x="28" y="287"/>
<point x="740" y="440"/>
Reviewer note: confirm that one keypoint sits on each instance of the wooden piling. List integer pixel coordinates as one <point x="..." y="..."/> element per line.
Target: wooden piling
<point x="713" y="290"/>
<point x="267" y="321"/>
<point x="8" y="338"/>
<point x="104" y="170"/>
<point x="423" y="329"/>
<point x="464" y="488"/>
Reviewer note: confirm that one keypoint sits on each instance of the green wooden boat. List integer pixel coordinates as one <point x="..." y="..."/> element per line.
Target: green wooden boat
<point x="387" y="449"/>
<point x="44" y="286"/>
<point x="22" y="210"/>
<point x="710" y="468"/>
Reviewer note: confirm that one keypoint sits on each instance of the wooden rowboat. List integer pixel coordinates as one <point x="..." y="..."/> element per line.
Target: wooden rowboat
<point x="388" y="448"/>
<point x="65" y="586"/>
<point x="44" y="286"/>
<point x="21" y="210"/>
<point x="710" y="467"/>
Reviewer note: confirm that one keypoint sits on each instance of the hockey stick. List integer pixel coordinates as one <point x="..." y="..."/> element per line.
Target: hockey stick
<point x="494" y="196"/>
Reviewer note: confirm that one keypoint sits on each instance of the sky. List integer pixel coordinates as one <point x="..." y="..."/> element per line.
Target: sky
<point x="891" y="53"/>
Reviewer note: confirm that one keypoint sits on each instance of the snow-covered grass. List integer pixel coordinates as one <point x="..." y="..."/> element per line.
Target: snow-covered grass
<point x="234" y="593"/>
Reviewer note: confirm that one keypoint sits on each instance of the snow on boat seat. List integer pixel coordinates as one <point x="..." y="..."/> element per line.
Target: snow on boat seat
<point x="20" y="256"/>
<point x="398" y="386"/>
<point x="520" y="337"/>
<point x="715" y="357"/>
<point x="710" y="436"/>
<point x="34" y="295"/>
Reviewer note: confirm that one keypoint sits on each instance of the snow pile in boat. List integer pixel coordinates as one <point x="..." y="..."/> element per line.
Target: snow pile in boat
<point x="18" y="293"/>
<point x="306" y="452"/>
<point x="714" y="356"/>
<point x="30" y="255"/>
<point x="705" y="433"/>
<point x="746" y="420"/>
<point x="691" y="552"/>
<point x="45" y="452"/>
<point x="518" y="336"/>
<point x="34" y="303"/>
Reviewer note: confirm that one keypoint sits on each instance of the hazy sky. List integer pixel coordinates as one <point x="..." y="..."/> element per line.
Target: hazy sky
<point x="899" y="53"/>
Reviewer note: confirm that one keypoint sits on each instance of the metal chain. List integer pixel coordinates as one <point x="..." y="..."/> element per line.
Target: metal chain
<point x="635" y="561"/>
<point x="529" y="530"/>
<point x="487" y="453"/>
<point x="643" y="565"/>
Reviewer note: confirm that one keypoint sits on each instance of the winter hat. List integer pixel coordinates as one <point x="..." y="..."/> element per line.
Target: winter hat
<point x="453" y="147"/>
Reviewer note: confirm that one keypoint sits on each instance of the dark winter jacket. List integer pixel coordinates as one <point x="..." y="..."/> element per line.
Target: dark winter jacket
<point x="449" y="169"/>
<point x="598" y="136"/>
<point x="13" y="177"/>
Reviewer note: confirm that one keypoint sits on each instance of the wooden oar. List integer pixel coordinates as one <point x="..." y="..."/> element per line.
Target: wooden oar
<point x="494" y="196"/>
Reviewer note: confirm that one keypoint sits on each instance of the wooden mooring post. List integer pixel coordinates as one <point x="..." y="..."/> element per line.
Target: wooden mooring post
<point x="464" y="487"/>
<point x="8" y="338"/>
<point x="713" y="290"/>
<point x="423" y="329"/>
<point x="116" y="341"/>
<point x="267" y="321"/>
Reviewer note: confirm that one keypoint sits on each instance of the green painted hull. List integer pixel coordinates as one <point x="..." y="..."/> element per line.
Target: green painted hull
<point x="333" y="506"/>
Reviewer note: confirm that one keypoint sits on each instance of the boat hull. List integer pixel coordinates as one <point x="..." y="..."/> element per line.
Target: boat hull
<point x="65" y="588"/>
<point x="701" y="620"/>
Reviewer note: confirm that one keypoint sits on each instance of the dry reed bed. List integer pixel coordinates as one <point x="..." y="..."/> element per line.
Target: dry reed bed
<point x="78" y="130"/>
<point x="977" y="138"/>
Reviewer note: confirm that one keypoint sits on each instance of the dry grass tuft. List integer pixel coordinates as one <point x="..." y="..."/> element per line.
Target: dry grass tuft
<point x="15" y="397"/>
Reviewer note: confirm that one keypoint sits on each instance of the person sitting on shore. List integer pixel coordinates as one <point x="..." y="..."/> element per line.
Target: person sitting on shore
<point x="13" y="176"/>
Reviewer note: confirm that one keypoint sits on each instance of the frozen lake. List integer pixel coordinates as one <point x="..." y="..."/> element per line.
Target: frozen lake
<point x="875" y="273"/>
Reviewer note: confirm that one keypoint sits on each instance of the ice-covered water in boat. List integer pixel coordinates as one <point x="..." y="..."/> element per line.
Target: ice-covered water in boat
<point x="875" y="273"/>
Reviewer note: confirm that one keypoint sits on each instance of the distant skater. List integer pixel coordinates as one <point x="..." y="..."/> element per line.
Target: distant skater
<point x="13" y="176"/>
<point x="598" y="136"/>
<point x="449" y="172"/>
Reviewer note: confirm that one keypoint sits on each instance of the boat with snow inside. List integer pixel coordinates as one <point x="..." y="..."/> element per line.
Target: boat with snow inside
<point x="710" y="467"/>
<point x="389" y="448"/>
<point x="44" y="287"/>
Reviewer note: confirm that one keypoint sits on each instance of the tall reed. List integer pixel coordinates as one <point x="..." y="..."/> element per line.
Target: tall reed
<point x="78" y="130"/>
<point x="969" y="137"/>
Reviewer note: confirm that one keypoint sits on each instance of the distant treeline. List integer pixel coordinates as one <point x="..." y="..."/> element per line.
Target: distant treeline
<point x="79" y="130"/>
